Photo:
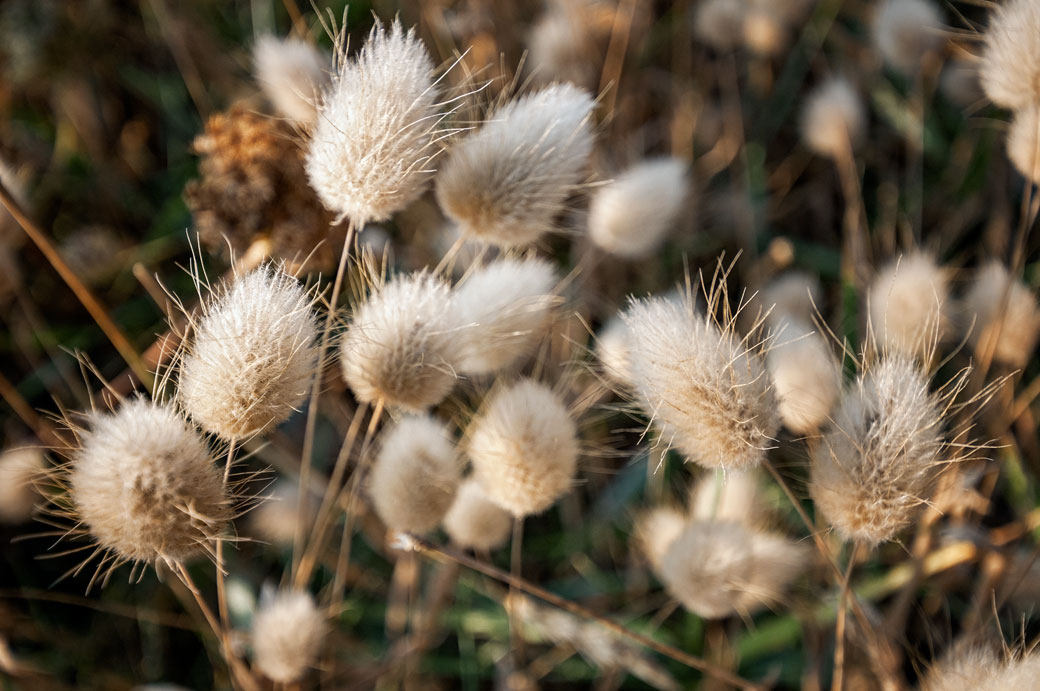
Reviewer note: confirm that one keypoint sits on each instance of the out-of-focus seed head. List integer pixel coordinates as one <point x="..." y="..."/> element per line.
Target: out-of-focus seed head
<point x="907" y="304"/>
<point x="793" y="296"/>
<point x="1003" y="316"/>
<point x="524" y="448"/>
<point x="379" y="127"/>
<point x="719" y="23"/>
<point x="1023" y="140"/>
<point x="656" y="530"/>
<point x="288" y="631"/>
<point x="834" y="120"/>
<point x="764" y="32"/>
<point x="1010" y="70"/>
<point x="400" y="347"/>
<point x="701" y="385"/>
<point x="959" y="82"/>
<point x="253" y="355"/>
<point x="502" y="311"/>
<point x="806" y="377"/>
<point x="732" y="496"/>
<point x="275" y="520"/>
<point x="632" y="216"/>
<point x="568" y="41"/>
<point x="291" y="73"/>
<point x="878" y="459"/>
<point x="506" y="183"/>
<point x="20" y="472"/>
<point x="613" y="352"/>
<point x="907" y="31"/>
<point x="476" y="522"/>
<point x="145" y="486"/>
<point x="415" y="475"/>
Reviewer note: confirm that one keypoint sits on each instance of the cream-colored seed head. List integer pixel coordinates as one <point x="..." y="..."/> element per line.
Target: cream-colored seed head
<point x="145" y="486"/>
<point x="253" y="356"/>
<point x="879" y="457"/>
<point x="806" y="376"/>
<point x="656" y="530"/>
<point x="20" y="471"/>
<point x="503" y="310"/>
<point x="291" y="73"/>
<point x="1023" y="140"/>
<point x="288" y="631"/>
<point x="613" y="352"/>
<point x="476" y="522"/>
<point x="400" y="347"/>
<point x="1010" y="70"/>
<point x="709" y="395"/>
<point x="967" y="668"/>
<point x="719" y="568"/>
<point x="834" y="120"/>
<point x="632" y="216"/>
<point x="506" y="183"/>
<point x="907" y="305"/>
<point x="1005" y="316"/>
<point x="379" y="128"/>
<point x="792" y="297"/>
<point x="524" y="448"/>
<point x="764" y="31"/>
<point x="275" y="520"/>
<point x="906" y="31"/>
<point x="415" y="475"/>
<point x="730" y="497"/>
<point x="719" y="23"/>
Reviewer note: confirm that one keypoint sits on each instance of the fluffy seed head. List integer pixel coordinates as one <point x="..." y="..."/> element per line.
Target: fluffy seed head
<point x="613" y="352"/>
<point x="400" y="347"/>
<point x="906" y="31"/>
<point x="415" y="475"/>
<point x="288" y="631"/>
<point x="719" y="568"/>
<point x="806" y="377"/>
<point x="378" y="128"/>
<point x="764" y="32"/>
<point x="793" y="296"/>
<point x="719" y="23"/>
<point x="1023" y="140"/>
<point x="275" y="519"/>
<point x="656" y="530"/>
<point x="253" y="356"/>
<point x="20" y="471"/>
<point x="506" y="184"/>
<point x="907" y="305"/>
<point x="878" y="459"/>
<point x="1005" y="314"/>
<point x="708" y="393"/>
<point x="145" y="485"/>
<point x="567" y="43"/>
<point x="1010" y="71"/>
<point x="631" y="216"/>
<point x="476" y="522"/>
<point x="834" y="120"/>
<point x="966" y="668"/>
<point x="730" y="497"/>
<point x="291" y="73"/>
<point x="503" y="310"/>
<point x="524" y="448"/>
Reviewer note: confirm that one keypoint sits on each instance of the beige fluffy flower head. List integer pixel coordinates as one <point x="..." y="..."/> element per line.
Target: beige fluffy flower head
<point x="906" y="31"/>
<point x="806" y="376"/>
<point x="708" y="393"/>
<point x="878" y="460"/>
<point x="20" y="471"/>
<point x="288" y="630"/>
<point x="415" y="475"/>
<point x="253" y="355"/>
<point x="291" y="73"/>
<point x="1010" y="72"/>
<point x="400" y="347"/>
<point x="1022" y="142"/>
<point x="524" y="448"/>
<point x="967" y="668"/>
<point x="145" y="486"/>
<point x="506" y="183"/>
<point x="834" y="120"/>
<point x="719" y="23"/>
<point x="1005" y="315"/>
<point x="476" y="522"/>
<point x="379" y="127"/>
<point x="908" y="301"/>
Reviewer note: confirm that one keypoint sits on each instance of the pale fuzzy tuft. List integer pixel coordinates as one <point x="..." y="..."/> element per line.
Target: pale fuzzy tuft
<point x="960" y="82"/>
<point x="907" y="304"/>
<point x="291" y="73"/>
<point x="613" y="351"/>
<point x="719" y="23"/>
<point x="20" y="473"/>
<point x="1010" y="70"/>
<point x="275" y="519"/>
<point x="400" y="347"/>
<point x="288" y="631"/>
<point x="378" y="130"/>
<point x="255" y="350"/>
<point x="145" y="486"/>
<point x="1023" y="142"/>
<point x="793" y="296"/>
<point x="476" y="522"/>
<point x="806" y="376"/>
<point x="524" y="448"/>
<point x="764" y="31"/>
<point x="966" y="668"/>
<point x="834" y="120"/>
<point x="709" y="395"/>
<point x="1005" y="314"/>
<point x="906" y="31"/>
<point x="506" y="183"/>
<point x="631" y="216"/>
<point x="719" y="568"/>
<point x="879" y="457"/>
<point x="415" y="475"/>
<point x="502" y="310"/>
<point x="732" y="496"/>
<point x="656" y="530"/>
<point x="567" y="42"/>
